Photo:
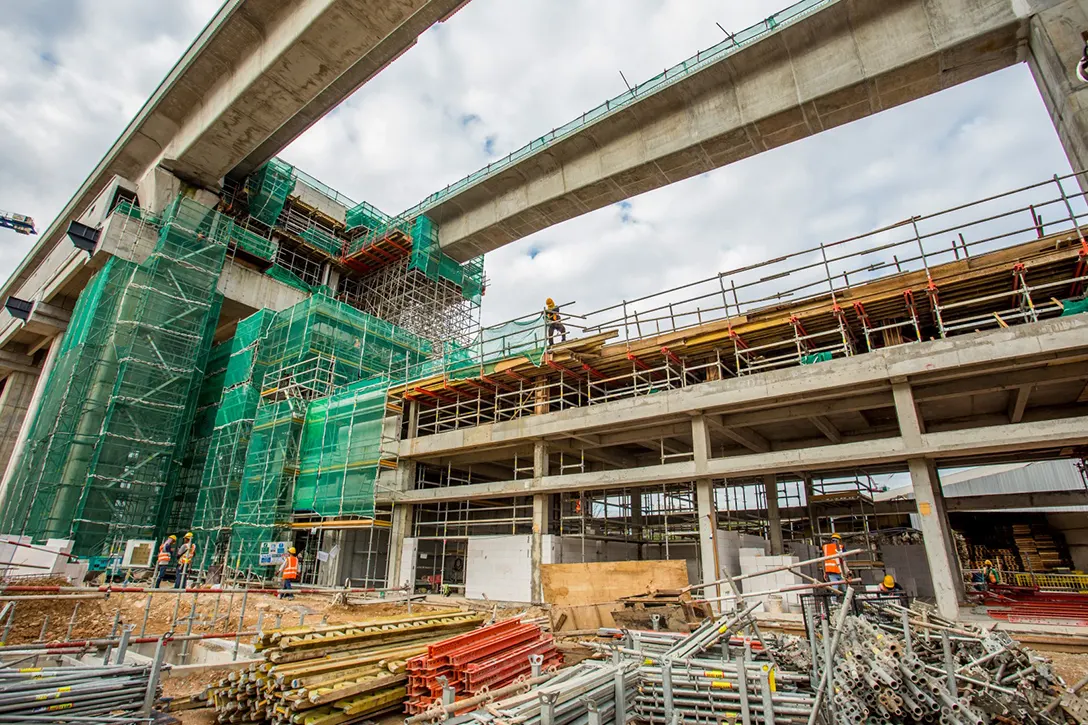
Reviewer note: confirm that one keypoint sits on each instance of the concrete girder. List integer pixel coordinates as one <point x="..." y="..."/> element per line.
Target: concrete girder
<point x="956" y="445"/>
<point x="846" y="61"/>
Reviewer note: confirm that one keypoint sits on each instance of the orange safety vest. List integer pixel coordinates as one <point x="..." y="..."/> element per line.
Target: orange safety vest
<point x="187" y="553"/>
<point x="164" y="552"/>
<point x="832" y="566"/>
<point x="290" y="567"/>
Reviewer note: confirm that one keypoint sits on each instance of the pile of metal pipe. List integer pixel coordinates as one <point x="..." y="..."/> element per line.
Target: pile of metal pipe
<point x="336" y="673"/>
<point x="106" y="694"/>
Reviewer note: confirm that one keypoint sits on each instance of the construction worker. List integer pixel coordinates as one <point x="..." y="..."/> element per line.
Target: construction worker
<point x="990" y="574"/>
<point x="889" y="585"/>
<point x="289" y="571"/>
<point x="186" y="554"/>
<point x="551" y="315"/>
<point x="166" y="552"/>
<point x="835" y="570"/>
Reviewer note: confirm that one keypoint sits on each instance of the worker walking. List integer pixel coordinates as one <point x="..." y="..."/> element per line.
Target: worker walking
<point x="835" y="569"/>
<point x="166" y="553"/>
<point x="289" y="571"/>
<point x="551" y="315"/>
<point x="186" y="554"/>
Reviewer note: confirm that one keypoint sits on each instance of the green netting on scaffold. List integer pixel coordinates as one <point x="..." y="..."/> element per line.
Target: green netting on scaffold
<point x="322" y="240"/>
<point x="366" y="216"/>
<point x="224" y="462"/>
<point x="102" y="460"/>
<point x="252" y="242"/>
<point x="289" y="278"/>
<point x="1074" y="307"/>
<point x="266" y="494"/>
<point x="340" y="453"/>
<point x="268" y="188"/>
<point x="526" y="337"/>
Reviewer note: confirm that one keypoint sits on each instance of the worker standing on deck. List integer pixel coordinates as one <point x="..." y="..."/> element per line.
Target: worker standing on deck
<point x="186" y="554"/>
<point x="166" y="552"/>
<point x="551" y="315"/>
<point x="835" y="570"/>
<point x="289" y="571"/>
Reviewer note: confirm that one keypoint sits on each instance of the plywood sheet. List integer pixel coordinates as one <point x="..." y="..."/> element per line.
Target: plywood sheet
<point x="572" y="585"/>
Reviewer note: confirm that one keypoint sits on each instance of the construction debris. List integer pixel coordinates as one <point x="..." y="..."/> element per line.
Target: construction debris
<point x="332" y="674"/>
<point x="478" y="661"/>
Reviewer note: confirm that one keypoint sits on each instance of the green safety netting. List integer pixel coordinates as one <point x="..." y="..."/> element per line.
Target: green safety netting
<point x="816" y="357"/>
<point x="317" y="348"/>
<point x="281" y="274"/>
<point x="526" y="337"/>
<point x="1074" y="307"/>
<point x="236" y="364"/>
<point x="256" y="244"/>
<point x="323" y="240"/>
<point x="268" y="189"/>
<point x="340" y="452"/>
<point x="366" y="216"/>
<point x="102" y="461"/>
<point x="427" y="256"/>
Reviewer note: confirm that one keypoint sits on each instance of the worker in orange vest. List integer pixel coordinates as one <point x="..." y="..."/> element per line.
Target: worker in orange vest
<point x="555" y="324"/>
<point x="166" y="552"/>
<point x="289" y="571"/>
<point x="835" y="570"/>
<point x="186" y="554"/>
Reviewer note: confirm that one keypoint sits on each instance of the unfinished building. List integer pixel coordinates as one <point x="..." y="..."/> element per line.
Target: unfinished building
<point x="211" y="339"/>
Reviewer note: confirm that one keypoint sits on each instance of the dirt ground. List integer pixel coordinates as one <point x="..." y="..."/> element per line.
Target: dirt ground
<point x="95" y="616"/>
<point x="1071" y="667"/>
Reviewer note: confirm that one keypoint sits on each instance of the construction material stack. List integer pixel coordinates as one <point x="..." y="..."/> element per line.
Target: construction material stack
<point x="332" y="674"/>
<point x="483" y="660"/>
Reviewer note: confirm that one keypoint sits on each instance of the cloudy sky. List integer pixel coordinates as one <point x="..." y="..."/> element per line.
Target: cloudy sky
<point x="498" y="74"/>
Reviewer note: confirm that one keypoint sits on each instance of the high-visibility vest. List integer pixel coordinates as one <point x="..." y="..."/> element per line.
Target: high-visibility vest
<point x="832" y="566"/>
<point x="290" y="567"/>
<point x="164" y="552"/>
<point x="187" y="553"/>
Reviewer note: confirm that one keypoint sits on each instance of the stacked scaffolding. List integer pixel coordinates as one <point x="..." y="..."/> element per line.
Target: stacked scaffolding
<point x="318" y="348"/>
<point x="101" y="463"/>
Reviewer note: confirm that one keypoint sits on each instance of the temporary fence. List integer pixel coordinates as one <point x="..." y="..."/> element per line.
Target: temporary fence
<point x="101" y="463"/>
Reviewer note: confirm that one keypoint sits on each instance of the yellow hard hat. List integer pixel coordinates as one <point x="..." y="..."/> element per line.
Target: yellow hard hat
<point x="889" y="581"/>
<point x="189" y="535"/>
<point x="291" y="550"/>
<point x="172" y="537"/>
<point x="987" y="563"/>
<point x="549" y="302"/>
<point x="836" y="536"/>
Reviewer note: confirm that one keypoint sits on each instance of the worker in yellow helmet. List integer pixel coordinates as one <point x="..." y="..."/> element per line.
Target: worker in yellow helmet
<point x="186" y="554"/>
<point x="166" y="553"/>
<point x="289" y="571"/>
<point x="889" y="585"/>
<point x="555" y="325"/>
<point x="990" y="574"/>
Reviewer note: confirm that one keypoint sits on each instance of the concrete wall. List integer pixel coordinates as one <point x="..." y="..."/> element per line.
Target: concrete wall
<point x="755" y="560"/>
<point x="498" y="567"/>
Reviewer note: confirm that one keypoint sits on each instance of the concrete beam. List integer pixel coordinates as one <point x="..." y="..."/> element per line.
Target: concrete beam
<point x="828" y="428"/>
<point x="846" y="61"/>
<point x="1047" y="435"/>
<point x="744" y="436"/>
<point x="1018" y="402"/>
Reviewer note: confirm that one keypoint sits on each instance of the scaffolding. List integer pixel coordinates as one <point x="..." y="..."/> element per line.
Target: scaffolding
<point x="268" y="189"/>
<point x="102" y="458"/>
<point x="317" y="435"/>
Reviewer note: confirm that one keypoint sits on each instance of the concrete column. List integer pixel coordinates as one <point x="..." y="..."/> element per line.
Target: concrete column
<point x="774" y="517"/>
<point x="1055" y="46"/>
<point x="813" y="524"/>
<point x="940" y="551"/>
<point x="636" y="519"/>
<point x="936" y="533"/>
<point x="402" y="525"/>
<point x="541" y="511"/>
<point x="708" y="521"/>
<point x="16" y="452"/>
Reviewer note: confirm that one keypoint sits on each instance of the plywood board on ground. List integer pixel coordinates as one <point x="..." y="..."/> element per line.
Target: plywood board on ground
<point x="572" y="585"/>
